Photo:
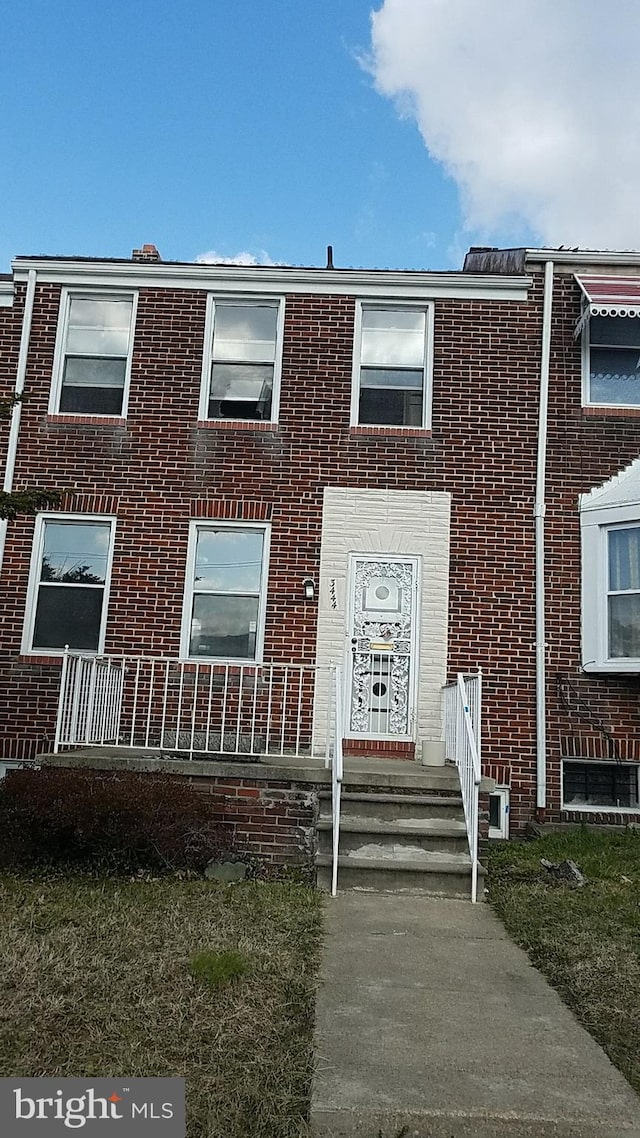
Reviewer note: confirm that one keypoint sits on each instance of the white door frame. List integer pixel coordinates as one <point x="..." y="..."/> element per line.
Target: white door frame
<point x="412" y="693"/>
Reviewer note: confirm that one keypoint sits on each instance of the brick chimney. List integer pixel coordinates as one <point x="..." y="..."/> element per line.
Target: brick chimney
<point x="147" y="253"/>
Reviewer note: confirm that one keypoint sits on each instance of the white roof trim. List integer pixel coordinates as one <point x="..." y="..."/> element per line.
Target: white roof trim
<point x="600" y="257"/>
<point x="278" y="279"/>
<point x="6" y="294"/>
<point x="621" y="489"/>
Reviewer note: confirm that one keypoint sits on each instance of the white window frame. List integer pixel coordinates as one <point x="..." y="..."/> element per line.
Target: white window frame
<point x="7" y="765"/>
<point x="207" y="359"/>
<point x="591" y="808"/>
<point x="587" y="401"/>
<point x="68" y="294"/>
<point x="427" y="384"/>
<point x="27" y="648"/>
<point x="187" y="608"/>
<point x="502" y="831"/>
<point x="595" y="525"/>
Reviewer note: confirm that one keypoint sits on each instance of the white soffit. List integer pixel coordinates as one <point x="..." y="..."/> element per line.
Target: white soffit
<point x="278" y="280"/>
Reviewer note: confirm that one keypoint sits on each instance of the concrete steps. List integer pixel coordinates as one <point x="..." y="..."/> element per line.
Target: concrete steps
<point x="405" y="833"/>
<point x="393" y="841"/>
<point x="433" y="873"/>
<point x="394" y="806"/>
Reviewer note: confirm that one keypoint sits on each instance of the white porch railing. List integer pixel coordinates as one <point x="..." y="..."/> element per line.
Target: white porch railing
<point x="462" y="721"/>
<point x="190" y="708"/>
<point x="336" y="734"/>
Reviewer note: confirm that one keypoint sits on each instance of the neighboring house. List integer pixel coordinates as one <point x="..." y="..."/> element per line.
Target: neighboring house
<point x="302" y="467"/>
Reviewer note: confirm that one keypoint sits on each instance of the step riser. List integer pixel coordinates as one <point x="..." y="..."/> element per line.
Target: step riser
<point x="350" y="842"/>
<point x="445" y="783"/>
<point x="391" y="811"/>
<point x="392" y="880"/>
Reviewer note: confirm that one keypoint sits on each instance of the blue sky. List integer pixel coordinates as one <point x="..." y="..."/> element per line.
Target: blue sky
<point x="249" y="126"/>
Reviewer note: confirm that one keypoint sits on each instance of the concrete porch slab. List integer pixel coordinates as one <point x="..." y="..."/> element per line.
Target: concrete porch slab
<point x="359" y="772"/>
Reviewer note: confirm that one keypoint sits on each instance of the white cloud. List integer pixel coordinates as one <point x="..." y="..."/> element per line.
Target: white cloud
<point x="531" y="106"/>
<point x="244" y="258"/>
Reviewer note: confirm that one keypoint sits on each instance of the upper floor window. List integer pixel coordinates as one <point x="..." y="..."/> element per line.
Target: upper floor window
<point x="68" y="586"/>
<point x="392" y="365"/>
<point x="242" y="362"/>
<point x="611" y="361"/>
<point x="226" y="592"/>
<point x="93" y="354"/>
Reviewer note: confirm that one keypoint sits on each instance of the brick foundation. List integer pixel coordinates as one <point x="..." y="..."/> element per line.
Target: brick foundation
<point x="379" y="748"/>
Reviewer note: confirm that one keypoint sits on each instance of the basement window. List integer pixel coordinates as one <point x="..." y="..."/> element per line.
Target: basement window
<point x="499" y="812"/>
<point x="591" y="785"/>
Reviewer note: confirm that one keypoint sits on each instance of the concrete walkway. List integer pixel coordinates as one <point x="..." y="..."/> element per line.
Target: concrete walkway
<point x="429" y="1017"/>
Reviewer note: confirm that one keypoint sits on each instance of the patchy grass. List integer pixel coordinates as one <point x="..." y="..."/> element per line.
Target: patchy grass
<point x="218" y="968"/>
<point x="98" y="979"/>
<point x="586" y="941"/>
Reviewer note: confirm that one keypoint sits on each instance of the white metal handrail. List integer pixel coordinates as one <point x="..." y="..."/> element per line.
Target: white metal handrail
<point x="186" y="707"/>
<point x="336" y="773"/>
<point x="462" y="720"/>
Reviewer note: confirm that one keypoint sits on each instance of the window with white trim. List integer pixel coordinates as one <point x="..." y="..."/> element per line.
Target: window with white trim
<point x="623" y="592"/>
<point x="7" y="765"/>
<point x="241" y="372"/>
<point x="611" y="361"/>
<point x="93" y="354"/>
<point x="499" y="812"/>
<point x="596" y="785"/>
<point x="611" y="589"/>
<point x="70" y="572"/>
<point x="226" y="592"/>
<point x="392" y="365"/>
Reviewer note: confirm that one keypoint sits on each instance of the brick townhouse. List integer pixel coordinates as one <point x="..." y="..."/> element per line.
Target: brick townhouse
<point x="270" y="471"/>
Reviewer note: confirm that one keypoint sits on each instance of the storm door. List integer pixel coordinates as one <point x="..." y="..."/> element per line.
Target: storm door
<point x="381" y="653"/>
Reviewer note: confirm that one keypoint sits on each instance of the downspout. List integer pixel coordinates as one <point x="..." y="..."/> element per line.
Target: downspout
<point x="539" y="514"/>
<point x="16" y="411"/>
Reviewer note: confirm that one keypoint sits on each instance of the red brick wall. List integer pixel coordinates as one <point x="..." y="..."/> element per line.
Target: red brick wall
<point x="589" y="716"/>
<point x="159" y="469"/>
<point x="10" y="328"/>
<point x="272" y="821"/>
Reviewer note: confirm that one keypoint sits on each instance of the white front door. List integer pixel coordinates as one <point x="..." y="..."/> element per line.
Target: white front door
<point x="381" y="650"/>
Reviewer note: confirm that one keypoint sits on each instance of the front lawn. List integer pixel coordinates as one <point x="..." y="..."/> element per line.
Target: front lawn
<point x="166" y="977"/>
<point x="586" y="941"/>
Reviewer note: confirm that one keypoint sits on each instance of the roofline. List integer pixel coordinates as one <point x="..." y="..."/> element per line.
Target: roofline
<point x="582" y="256"/>
<point x="403" y="284"/>
<point x="6" y="291"/>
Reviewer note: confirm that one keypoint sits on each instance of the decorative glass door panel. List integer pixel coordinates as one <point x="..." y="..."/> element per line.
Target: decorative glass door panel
<point x="382" y="654"/>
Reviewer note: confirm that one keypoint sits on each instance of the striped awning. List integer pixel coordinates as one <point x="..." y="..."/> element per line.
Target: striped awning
<point x="608" y="296"/>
